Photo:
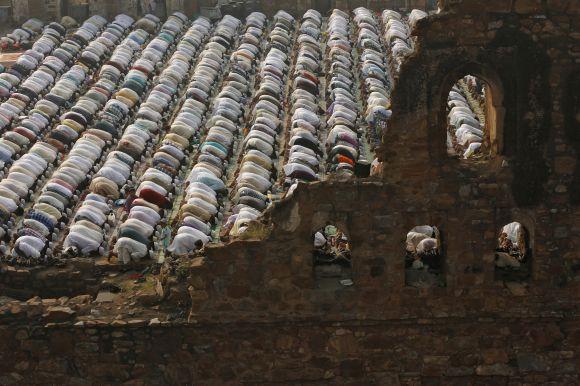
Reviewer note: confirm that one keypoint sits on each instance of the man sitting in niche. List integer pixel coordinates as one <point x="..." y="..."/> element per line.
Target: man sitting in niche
<point x="331" y="247"/>
<point x="511" y="249"/>
<point x="423" y="248"/>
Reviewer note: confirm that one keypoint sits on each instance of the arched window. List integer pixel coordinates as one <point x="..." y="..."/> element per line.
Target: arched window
<point x="473" y="113"/>
<point x="466" y="124"/>
<point x="423" y="258"/>
<point x="513" y="253"/>
<point x="332" y="255"/>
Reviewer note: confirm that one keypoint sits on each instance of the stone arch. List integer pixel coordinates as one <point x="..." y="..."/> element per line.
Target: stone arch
<point x="424" y="256"/>
<point x="516" y="68"/>
<point x="332" y="256"/>
<point x="504" y="268"/>
<point x="429" y="75"/>
<point x="495" y="109"/>
<point x="529" y="223"/>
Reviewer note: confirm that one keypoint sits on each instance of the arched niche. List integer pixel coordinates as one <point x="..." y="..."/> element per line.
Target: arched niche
<point x="424" y="257"/>
<point x="514" y="252"/>
<point x="494" y="107"/>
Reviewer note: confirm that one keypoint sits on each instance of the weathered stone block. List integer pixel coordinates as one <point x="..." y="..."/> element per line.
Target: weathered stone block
<point x="529" y="362"/>
<point x="528" y="6"/>
<point x="499" y="369"/>
<point x="58" y="314"/>
<point x="351" y="368"/>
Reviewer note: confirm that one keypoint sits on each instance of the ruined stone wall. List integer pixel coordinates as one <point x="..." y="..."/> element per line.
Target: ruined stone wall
<point x="528" y="55"/>
<point x="479" y="351"/>
<point x="274" y="278"/>
<point x="526" y="51"/>
<point x="77" y="278"/>
<point x="527" y="59"/>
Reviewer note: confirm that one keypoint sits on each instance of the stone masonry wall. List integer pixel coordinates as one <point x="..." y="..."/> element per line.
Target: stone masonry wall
<point x="479" y="351"/>
<point x="529" y="56"/>
<point x="274" y="278"/>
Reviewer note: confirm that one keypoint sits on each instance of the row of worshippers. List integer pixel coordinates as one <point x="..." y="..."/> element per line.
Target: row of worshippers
<point x="40" y="72"/>
<point x="35" y="160"/>
<point x="205" y="182"/>
<point x="257" y="171"/>
<point x="41" y="80"/>
<point x="397" y="35"/>
<point x="147" y="207"/>
<point x="35" y="71"/>
<point x="476" y="87"/>
<point x="22" y="36"/>
<point x="304" y="150"/>
<point x="27" y="130"/>
<point x="52" y="208"/>
<point x="155" y="189"/>
<point x="117" y="174"/>
<point x="373" y="71"/>
<point x="465" y="133"/>
<point x="51" y="37"/>
<point x="342" y="143"/>
<point x="47" y="110"/>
